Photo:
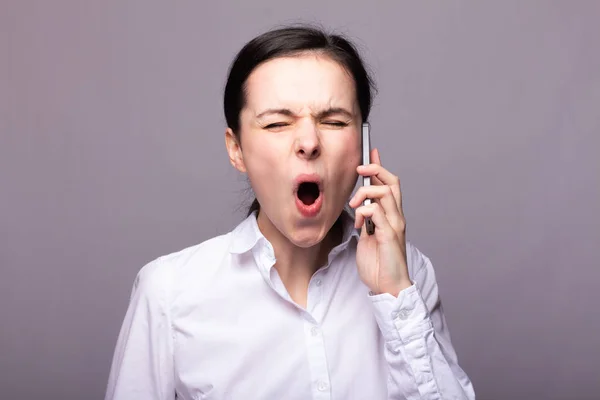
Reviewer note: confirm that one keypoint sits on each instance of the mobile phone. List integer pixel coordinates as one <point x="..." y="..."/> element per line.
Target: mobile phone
<point x="366" y="160"/>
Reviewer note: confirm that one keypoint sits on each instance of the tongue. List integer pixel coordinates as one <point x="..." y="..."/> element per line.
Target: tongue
<point x="307" y="198"/>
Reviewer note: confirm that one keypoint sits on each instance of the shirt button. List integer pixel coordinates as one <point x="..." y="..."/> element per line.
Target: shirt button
<point x="314" y="331"/>
<point x="322" y="386"/>
<point x="318" y="282"/>
<point x="403" y="314"/>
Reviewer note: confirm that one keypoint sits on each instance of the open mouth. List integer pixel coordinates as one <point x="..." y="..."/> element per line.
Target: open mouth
<point x="308" y="192"/>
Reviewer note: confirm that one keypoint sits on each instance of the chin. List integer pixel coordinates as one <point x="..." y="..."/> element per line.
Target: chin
<point x="307" y="237"/>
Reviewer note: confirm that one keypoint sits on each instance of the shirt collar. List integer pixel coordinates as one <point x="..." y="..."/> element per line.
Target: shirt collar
<point x="247" y="235"/>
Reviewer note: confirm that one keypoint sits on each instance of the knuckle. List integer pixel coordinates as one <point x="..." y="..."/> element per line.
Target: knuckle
<point x="399" y="226"/>
<point x="402" y="225"/>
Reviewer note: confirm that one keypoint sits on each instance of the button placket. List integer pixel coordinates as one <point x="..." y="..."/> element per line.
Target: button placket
<point x="315" y="340"/>
<point x="322" y="386"/>
<point x="315" y="296"/>
<point x="317" y="360"/>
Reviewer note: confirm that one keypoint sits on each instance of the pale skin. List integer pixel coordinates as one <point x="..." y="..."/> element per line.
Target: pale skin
<point x="302" y="116"/>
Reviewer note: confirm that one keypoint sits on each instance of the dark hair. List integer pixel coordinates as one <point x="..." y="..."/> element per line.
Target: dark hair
<point x="289" y="41"/>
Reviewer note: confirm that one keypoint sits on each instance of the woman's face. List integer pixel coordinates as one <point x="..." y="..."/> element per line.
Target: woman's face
<point x="301" y="123"/>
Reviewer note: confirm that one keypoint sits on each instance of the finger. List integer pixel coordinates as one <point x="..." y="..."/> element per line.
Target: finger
<point x="376" y="170"/>
<point x="394" y="215"/>
<point x="383" y="229"/>
<point x="376" y="181"/>
<point x="381" y="194"/>
<point x="375" y="156"/>
<point x="376" y="160"/>
<point x="381" y="176"/>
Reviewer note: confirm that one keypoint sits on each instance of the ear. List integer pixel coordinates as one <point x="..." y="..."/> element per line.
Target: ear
<point x="234" y="149"/>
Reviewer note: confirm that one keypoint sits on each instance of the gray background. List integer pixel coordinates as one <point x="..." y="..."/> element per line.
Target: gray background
<point x="112" y="153"/>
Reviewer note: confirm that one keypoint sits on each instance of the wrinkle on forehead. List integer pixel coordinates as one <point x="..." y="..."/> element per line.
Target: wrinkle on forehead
<point x="305" y="84"/>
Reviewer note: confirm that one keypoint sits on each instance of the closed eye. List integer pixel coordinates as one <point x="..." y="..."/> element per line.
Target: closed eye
<point x="276" y="125"/>
<point x="335" y="123"/>
<point x="338" y="124"/>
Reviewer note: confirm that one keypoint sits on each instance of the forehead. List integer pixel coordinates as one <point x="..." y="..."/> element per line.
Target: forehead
<point x="308" y="81"/>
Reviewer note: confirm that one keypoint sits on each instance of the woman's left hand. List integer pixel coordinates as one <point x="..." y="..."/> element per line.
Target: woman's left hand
<point x="381" y="257"/>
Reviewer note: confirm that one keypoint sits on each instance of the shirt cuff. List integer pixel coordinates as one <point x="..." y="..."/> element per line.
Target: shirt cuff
<point x="403" y="318"/>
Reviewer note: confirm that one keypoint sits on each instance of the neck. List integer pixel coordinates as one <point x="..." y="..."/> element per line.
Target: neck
<point x="296" y="265"/>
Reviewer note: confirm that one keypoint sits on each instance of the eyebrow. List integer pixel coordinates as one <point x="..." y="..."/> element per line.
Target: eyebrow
<point x="322" y="114"/>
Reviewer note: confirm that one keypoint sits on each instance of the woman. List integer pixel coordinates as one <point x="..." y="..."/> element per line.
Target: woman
<point x="296" y="302"/>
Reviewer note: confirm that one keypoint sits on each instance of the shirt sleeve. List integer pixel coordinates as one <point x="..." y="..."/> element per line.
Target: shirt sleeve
<point x="142" y="365"/>
<point x="418" y="349"/>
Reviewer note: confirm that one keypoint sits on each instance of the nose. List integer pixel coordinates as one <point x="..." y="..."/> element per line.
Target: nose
<point x="308" y="145"/>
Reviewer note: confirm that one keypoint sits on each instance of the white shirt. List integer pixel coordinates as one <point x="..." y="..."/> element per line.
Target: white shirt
<point x="214" y="321"/>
